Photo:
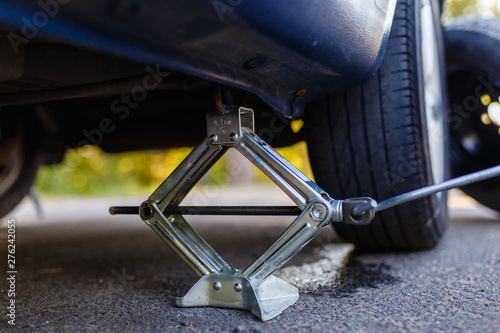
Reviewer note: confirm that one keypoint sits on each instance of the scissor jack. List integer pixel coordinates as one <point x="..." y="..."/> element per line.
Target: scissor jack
<point x="254" y="288"/>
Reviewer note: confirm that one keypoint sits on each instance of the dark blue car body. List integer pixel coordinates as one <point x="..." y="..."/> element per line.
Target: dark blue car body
<point x="289" y="53"/>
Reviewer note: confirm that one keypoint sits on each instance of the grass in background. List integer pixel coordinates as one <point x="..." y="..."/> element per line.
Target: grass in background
<point x="90" y="171"/>
<point x="470" y="8"/>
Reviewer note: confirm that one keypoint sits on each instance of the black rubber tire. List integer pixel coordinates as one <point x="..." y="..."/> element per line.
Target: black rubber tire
<point x="472" y="56"/>
<point x="371" y="140"/>
<point x="17" y="129"/>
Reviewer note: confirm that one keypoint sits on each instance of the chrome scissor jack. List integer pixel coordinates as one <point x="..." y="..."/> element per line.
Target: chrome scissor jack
<point x="254" y="288"/>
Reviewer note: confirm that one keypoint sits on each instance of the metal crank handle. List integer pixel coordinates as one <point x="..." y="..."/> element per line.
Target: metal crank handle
<point x="475" y="177"/>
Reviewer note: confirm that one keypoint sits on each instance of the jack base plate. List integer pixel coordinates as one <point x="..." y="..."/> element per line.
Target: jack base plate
<point x="265" y="301"/>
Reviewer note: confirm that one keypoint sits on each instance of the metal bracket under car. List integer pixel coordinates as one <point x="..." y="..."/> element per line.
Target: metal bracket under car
<point x="254" y="288"/>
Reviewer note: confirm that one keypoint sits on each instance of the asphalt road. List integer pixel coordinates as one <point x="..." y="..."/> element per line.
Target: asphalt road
<point x="79" y="269"/>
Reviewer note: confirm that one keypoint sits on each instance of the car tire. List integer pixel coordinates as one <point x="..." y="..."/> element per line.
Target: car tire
<point x="20" y="158"/>
<point x="377" y="139"/>
<point x="473" y="72"/>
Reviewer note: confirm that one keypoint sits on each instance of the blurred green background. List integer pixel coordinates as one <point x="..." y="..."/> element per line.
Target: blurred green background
<point x="479" y="8"/>
<point x="89" y="171"/>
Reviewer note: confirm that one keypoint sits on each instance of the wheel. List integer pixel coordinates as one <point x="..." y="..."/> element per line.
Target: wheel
<point x="388" y="136"/>
<point x="20" y="157"/>
<point x="473" y="72"/>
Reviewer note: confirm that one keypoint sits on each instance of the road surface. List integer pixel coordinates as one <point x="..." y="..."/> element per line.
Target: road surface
<point x="79" y="269"/>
